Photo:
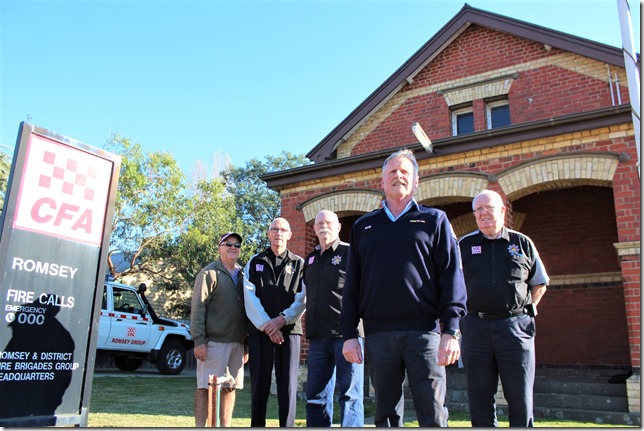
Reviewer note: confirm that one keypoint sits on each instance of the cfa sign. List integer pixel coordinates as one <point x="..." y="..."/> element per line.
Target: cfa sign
<point x="56" y="225"/>
<point x="63" y="192"/>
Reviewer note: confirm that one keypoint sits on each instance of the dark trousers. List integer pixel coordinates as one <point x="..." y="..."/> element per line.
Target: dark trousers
<point x="389" y="355"/>
<point x="499" y="348"/>
<point x="262" y="354"/>
<point x="326" y="365"/>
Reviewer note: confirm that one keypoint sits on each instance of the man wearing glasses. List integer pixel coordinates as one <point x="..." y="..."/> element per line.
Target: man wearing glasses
<point x="505" y="279"/>
<point x="218" y="327"/>
<point x="274" y="297"/>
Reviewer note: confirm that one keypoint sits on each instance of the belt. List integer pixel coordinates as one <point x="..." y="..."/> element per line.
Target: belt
<point x="497" y="315"/>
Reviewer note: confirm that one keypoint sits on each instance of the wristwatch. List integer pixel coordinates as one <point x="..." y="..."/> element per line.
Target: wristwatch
<point x="453" y="332"/>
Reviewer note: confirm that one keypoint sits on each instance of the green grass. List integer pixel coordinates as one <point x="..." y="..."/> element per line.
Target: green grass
<point x="152" y="402"/>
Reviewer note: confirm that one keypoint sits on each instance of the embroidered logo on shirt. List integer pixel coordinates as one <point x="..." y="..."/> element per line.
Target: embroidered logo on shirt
<point x="416" y="221"/>
<point x="476" y="249"/>
<point x="311" y="260"/>
<point x="336" y="260"/>
<point x="514" y="250"/>
<point x="259" y="267"/>
<point x="367" y="227"/>
<point x="289" y="269"/>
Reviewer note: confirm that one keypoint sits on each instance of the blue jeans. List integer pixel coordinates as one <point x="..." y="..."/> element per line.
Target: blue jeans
<point x="325" y="364"/>
<point x="392" y="353"/>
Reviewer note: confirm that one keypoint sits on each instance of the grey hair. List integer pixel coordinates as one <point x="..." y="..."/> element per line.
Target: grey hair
<point x="403" y="153"/>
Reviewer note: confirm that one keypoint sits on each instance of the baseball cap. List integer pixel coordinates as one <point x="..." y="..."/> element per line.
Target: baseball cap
<point x="225" y="236"/>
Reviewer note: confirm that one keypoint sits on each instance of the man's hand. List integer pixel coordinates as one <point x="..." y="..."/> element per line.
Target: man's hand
<point x="352" y="351"/>
<point x="200" y="352"/>
<point x="449" y="350"/>
<point x="273" y="329"/>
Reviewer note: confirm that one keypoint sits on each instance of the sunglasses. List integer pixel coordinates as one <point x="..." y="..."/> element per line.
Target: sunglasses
<point x="231" y="244"/>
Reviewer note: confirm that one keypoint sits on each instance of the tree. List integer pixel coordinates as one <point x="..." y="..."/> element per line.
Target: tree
<point x="151" y="207"/>
<point x="5" y="168"/>
<point x="214" y="214"/>
<point x="256" y="204"/>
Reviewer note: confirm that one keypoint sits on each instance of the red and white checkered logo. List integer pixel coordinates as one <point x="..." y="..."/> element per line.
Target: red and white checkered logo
<point x="63" y="192"/>
<point x="131" y="332"/>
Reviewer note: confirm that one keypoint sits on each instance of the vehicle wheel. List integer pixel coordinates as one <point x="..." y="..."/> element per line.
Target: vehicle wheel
<point x="172" y="358"/>
<point x="125" y="363"/>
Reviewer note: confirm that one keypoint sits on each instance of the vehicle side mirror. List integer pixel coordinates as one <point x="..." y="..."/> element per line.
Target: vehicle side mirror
<point x="144" y="311"/>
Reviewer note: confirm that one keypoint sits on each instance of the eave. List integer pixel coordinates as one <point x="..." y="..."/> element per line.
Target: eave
<point x="454" y="145"/>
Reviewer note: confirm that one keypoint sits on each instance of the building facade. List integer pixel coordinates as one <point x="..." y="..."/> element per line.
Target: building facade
<point x="539" y="116"/>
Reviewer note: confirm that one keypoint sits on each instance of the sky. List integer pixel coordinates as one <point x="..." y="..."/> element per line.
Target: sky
<point x="212" y="79"/>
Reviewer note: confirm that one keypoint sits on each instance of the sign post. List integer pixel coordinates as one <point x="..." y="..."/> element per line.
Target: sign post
<point x="55" y="230"/>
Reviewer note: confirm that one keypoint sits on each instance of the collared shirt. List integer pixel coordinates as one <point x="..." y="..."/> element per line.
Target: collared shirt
<point x="499" y="272"/>
<point x="410" y="204"/>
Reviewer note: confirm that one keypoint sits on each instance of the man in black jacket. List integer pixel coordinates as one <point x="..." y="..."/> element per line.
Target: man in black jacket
<point x="275" y="300"/>
<point x="324" y="273"/>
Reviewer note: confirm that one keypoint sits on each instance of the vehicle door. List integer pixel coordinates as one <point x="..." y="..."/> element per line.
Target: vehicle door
<point x="129" y="330"/>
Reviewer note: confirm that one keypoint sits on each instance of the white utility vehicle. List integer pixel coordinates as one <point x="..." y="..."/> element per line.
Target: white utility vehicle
<point x="131" y="332"/>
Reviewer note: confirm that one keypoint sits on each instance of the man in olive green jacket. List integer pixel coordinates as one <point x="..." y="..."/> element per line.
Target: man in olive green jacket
<point x="218" y="327"/>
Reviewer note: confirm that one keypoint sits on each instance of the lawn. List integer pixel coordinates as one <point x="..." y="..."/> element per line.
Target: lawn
<point x="150" y="402"/>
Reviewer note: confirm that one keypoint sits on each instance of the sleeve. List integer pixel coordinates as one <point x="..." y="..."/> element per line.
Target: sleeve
<point x="451" y="283"/>
<point x="205" y="283"/>
<point x="539" y="275"/>
<point x="293" y="313"/>
<point x="349" y="317"/>
<point x="254" y="308"/>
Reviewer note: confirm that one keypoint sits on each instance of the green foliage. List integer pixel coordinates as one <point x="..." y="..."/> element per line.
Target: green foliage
<point x="165" y="229"/>
<point x="193" y="248"/>
<point x="151" y="206"/>
<point x="5" y="168"/>
<point x="256" y="204"/>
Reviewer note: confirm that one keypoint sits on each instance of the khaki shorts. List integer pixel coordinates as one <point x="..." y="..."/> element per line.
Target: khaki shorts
<point x="218" y="357"/>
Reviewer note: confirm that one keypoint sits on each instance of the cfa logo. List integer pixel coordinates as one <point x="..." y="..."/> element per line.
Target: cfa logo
<point x="63" y="191"/>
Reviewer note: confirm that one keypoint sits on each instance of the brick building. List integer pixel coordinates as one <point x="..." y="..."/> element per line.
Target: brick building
<point x="543" y="118"/>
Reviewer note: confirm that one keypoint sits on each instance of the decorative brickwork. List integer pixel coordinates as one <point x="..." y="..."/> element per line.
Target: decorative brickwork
<point x="557" y="172"/>
<point x="346" y="201"/>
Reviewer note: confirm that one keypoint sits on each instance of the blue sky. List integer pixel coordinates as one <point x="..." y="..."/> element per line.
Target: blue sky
<point x="245" y="78"/>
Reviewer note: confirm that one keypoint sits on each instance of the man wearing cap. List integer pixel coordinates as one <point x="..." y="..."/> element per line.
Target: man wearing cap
<point x="274" y="297"/>
<point x="218" y="327"/>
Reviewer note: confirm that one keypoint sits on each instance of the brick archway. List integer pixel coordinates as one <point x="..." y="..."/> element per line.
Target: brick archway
<point x="558" y="172"/>
<point x="451" y="187"/>
<point x="354" y="201"/>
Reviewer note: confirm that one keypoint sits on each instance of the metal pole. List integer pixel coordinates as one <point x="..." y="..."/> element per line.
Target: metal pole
<point x="632" y="73"/>
<point x="214" y="393"/>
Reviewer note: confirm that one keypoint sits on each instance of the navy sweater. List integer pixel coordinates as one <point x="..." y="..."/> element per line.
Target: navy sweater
<point x="403" y="275"/>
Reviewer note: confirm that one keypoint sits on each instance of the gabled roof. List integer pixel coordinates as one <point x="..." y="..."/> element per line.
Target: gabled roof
<point x="462" y="20"/>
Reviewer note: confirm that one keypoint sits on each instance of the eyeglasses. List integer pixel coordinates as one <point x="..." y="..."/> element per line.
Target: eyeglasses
<point x="277" y="229"/>
<point x="484" y="208"/>
<point x="232" y="244"/>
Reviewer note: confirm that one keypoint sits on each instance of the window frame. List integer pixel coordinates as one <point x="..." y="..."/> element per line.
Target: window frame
<point x="455" y="115"/>
<point x="489" y="106"/>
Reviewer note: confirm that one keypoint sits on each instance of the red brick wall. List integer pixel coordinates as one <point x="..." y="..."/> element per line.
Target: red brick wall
<point x="573" y="229"/>
<point x="535" y="95"/>
<point x="582" y="326"/>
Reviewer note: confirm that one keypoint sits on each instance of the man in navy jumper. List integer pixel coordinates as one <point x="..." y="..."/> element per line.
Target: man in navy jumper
<point x="404" y="279"/>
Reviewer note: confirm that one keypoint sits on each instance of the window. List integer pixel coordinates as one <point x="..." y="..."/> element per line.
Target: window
<point x="498" y="114"/>
<point x="462" y="121"/>
<point x="126" y="300"/>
